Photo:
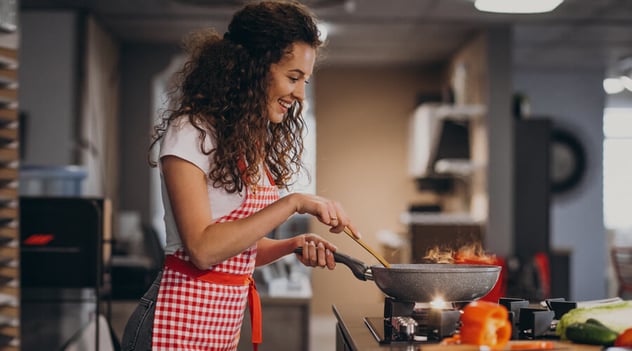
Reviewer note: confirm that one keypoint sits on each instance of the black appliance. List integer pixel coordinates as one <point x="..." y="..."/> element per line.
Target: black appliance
<point x="64" y="253"/>
<point x="62" y="241"/>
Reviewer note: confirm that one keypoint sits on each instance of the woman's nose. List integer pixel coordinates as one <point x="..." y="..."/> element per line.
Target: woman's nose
<point x="299" y="92"/>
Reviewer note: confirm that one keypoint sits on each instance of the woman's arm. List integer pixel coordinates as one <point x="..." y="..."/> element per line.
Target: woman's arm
<point x="208" y="243"/>
<point x="316" y="250"/>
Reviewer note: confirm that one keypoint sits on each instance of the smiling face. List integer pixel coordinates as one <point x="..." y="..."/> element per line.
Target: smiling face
<point x="288" y="78"/>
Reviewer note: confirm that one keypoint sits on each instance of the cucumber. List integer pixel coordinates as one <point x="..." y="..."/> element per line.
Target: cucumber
<point x="595" y="322"/>
<point x="591" y="332"/>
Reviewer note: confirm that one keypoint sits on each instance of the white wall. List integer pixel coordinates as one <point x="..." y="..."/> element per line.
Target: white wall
<point x="574" y="99"/>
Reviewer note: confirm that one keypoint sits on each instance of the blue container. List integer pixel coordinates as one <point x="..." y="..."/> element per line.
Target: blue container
<point x="51" y="180"/>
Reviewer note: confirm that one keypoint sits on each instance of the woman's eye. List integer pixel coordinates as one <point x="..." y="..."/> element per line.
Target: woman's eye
<point x="293" y="79"/>
<point x="307" y="81"/>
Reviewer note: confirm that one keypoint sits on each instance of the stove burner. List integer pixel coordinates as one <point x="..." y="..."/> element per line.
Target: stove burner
<point x="528" y="322"/>
<point x="413" y="322"/>
<point x="410" y="322"/>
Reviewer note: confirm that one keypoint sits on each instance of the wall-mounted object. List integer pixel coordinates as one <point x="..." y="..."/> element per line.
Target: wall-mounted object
<point x="439" y="141"/>
<point x="568" y="160"/>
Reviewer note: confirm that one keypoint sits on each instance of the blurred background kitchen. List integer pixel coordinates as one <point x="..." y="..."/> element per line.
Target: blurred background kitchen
<point x="434" y="123"/>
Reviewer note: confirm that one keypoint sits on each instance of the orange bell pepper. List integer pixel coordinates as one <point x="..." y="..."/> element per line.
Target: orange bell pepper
<point x="624" y="339"/>
<point x="485" y="323"/>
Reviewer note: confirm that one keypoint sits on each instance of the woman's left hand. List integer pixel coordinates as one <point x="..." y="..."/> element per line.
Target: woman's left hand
<point x="317" y="252"/>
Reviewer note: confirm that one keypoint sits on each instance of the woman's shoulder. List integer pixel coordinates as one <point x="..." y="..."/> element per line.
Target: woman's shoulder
<point x="181" y="133"/>
<point x="188" y="124"/>
<point x="181" y="122"/>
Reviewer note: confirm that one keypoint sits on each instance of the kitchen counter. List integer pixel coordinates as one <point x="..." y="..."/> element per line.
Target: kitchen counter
<point x="353" y="335"/>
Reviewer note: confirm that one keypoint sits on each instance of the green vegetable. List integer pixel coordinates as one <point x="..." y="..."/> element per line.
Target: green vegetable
<point x="614" y="316"/>
<point x="595" y="322"/>
<point x="593" y="333"/>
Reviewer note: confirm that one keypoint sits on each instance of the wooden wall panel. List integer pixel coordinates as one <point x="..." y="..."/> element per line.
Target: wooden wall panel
<point x="9" y="209"/>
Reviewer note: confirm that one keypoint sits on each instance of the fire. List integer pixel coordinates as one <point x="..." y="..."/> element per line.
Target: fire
<point x="439" y="303"/>
<point x="438" y="255"/>
<point x="473" y="253"/>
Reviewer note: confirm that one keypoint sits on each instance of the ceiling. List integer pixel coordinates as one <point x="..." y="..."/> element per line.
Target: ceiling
<point x="579" y="33"/>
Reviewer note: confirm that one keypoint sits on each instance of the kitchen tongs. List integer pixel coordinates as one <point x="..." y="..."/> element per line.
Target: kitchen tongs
<point x="368" y="248"/>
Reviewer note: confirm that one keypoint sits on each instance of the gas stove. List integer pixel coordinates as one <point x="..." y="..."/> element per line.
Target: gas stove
<point x="405" y="321"/>
<point x="419" y="323"/>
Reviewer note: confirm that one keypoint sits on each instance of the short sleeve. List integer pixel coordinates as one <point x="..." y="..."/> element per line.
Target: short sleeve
<point x="182" y="139"/>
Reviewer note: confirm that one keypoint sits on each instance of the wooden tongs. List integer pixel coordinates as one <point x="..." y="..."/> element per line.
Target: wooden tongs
<point x="368" y="248"/>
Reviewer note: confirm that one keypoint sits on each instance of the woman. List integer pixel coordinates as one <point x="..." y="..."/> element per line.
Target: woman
<point x="231" y="140"/>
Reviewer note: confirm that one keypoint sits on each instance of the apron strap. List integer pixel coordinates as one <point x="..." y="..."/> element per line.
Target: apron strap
<point x="242" y="167"/>
<point x="254" y="301"/>
<point x="254" y="304"/>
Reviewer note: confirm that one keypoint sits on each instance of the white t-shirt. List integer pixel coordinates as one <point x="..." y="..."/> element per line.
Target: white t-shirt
<point x="183" y="140"/>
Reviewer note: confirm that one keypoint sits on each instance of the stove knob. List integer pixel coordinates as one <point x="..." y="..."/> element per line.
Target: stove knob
<point x="404" y="326"/>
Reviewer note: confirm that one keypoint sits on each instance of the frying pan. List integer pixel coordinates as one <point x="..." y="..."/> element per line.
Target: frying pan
<point x="425" y="282"/>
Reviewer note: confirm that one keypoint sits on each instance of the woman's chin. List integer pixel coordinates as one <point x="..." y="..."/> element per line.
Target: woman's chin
<point x="277" y="118"/>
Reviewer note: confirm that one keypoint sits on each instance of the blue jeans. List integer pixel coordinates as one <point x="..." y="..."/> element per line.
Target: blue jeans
<point x="138" y="330"/>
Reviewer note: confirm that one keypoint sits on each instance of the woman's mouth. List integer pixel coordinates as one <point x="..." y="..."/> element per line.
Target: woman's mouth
<point x="286" y="105"/>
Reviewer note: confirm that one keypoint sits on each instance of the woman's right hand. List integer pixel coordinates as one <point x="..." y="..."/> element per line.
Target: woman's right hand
<point x="316" y="251"/>
<point x="328" y="212"/>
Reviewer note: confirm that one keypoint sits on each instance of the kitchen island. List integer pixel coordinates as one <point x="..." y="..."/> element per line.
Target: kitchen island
<point x="353" y="335"/>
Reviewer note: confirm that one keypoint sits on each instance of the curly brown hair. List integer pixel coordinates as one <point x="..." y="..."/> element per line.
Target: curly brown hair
<point x="222" y="90"/>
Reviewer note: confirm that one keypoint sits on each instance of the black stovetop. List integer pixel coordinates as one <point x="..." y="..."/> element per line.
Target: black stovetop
<point x="365" y="328"/>
<point x="358" y="337"/>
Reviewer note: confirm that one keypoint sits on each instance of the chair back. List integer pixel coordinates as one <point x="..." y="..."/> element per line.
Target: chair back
<point x="622" y="262"/>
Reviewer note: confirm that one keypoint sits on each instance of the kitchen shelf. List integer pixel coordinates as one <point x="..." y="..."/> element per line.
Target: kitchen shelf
<point x="9" y="208"/>
<point x="8" y="113"/>
<point x="8" y="155"/>
<point x="8" y="94"/>
<point x="8" y="56"/>
<point x="439" y="141"/>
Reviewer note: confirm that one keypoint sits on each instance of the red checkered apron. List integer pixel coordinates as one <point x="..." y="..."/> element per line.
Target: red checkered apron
<point x="203" y="309"/>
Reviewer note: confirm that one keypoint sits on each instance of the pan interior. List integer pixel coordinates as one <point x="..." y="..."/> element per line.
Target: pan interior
<point x="439" y="267"/>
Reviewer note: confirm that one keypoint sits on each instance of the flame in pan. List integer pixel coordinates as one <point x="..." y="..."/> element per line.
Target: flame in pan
<point x="473" y="253"/>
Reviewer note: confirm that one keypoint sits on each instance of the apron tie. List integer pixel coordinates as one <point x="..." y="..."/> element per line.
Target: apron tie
<point x="254" y="302"/>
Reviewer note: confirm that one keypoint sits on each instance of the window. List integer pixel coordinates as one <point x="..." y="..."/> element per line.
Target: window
<point x="617" y="171"/>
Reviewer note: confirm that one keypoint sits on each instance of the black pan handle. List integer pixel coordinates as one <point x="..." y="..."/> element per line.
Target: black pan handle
<point x="357" y="267"/>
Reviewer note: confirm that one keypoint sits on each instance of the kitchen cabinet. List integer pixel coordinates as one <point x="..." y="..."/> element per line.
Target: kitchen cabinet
<point x="532" y="201"/>
<point x="532" y="186"/>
